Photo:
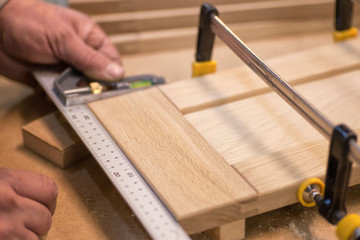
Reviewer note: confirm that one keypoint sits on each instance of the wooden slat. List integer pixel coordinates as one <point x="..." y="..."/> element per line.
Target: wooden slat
<point x="271" y="145"/>
<point x="102" y="6"/>
<point x="171" y="39"/>
<point x="192" y="179"/>
<point x="143" y="26"/>
<point x="180" y="59"/>
<point x="230" y="13"/>
<point x="113" y="6"/>
<point x="212" y="90"/>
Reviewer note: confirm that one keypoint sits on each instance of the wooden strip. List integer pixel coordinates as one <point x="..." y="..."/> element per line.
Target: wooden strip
<point x="230" y="13"/>
<point x="171" y="39"/>
<point x="212" y="90"/>
<point x="191" y="178"/>
<point x="271" y="145"/>
<point x="180" y="59"/>
<point x="103" y="6"/>
<point x="111" y="6"/>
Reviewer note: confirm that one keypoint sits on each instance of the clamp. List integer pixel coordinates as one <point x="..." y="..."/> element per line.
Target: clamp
<point x="205" y="42"/>
<point x="343" y="20"/>
<point x="331" y="198"/>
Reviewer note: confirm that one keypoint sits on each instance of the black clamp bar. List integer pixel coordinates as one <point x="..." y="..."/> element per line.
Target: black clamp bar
<point x="206" y="37"/>
<point x="343" y="14"/>
<point x="332" y="204"/>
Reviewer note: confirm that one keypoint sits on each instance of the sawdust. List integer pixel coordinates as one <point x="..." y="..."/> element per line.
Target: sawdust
<point x="298" y="232"/>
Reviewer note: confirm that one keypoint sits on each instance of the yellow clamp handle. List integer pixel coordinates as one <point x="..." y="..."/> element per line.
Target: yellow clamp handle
<point x="343" y="35"/>
<point x="203" y="68"/>
<point x="347" y="226"/>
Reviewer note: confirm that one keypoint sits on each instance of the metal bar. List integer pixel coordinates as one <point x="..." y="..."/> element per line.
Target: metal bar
<point x="278" y="84"/>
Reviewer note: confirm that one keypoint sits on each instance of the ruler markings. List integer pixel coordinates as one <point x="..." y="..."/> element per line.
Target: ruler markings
<point x="154" y="216"/>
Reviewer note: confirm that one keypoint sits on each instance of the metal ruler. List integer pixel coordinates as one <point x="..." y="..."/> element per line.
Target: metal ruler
<point x="154" y="216"/>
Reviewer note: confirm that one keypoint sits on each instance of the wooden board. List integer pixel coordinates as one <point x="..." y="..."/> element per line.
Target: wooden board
<point x="111" y="6"/>
<point x="142" y="26"/>
<point x="271" y="145"/>
<point x="173" y="18"/>
<point x="236" y="84"/>
<point x="261" y="137"/>
<point x="193" y="180"/>
<point x="170" y="39"/>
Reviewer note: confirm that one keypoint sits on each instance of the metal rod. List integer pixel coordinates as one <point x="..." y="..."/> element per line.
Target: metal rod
<point x="279" y="85"/>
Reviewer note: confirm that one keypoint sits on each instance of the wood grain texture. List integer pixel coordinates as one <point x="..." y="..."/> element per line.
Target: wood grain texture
<point x="170" y="39"/>
<point x="97" y="212"/>
<point x="111" y="6"/>
<point x="271" y="145"/>
<point x="53" y="138"/>
<point x="191" y="178"/>
<point x="231" y="231"/>
<point x="227" y="86"/>
<point x="172" y="18"/>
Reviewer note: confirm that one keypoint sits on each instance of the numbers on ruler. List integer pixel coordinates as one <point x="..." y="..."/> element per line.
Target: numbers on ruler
<point x="119" y="169"/>
<point x="122" y="173"/>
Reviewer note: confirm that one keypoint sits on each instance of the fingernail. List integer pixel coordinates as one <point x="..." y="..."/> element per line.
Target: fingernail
<point x="115" y="71"/>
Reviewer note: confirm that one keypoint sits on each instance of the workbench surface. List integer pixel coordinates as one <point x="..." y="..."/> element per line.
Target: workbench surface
<point x="89" y="207"/>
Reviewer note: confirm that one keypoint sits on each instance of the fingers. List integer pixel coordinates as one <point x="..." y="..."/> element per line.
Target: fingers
<point x="16" y="70"/>
<point x="10" y="231"/>
<point x="37" y="218"/>
<point x="34" y="186"/>
<point x="23" y="216"/>
<point x="97" y="39"/>
<point x="90" y="50"/>
<point x="29" y="235"/>
<point x="91" y="62"/>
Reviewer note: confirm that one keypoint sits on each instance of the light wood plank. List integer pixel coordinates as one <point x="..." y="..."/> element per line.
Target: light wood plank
<point x="191" y="178"/>
<point x="53" y="138"/>
<point x="271" y="145"/>
<point x="111" y="6"/>
<point x="170" y="39"/>
<point x="230" y="13"/>
<point x="227" y="86"/>
<point x="180" y="59"/>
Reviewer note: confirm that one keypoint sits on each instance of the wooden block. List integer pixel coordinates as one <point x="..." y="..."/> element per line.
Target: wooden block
<point x="235" y="84"/>
<point x="53" y="138"/>
<point x="274" y="148"/>
<point x="230" y="231"/>
<point x="196" y="184"/>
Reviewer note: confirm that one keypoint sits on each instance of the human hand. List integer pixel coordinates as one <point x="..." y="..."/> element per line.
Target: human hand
<point x="27" y="202"/>
<point x="35" y="32"/>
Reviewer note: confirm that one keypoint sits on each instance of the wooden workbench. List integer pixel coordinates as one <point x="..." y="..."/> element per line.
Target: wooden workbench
<point x="90" y="208"/>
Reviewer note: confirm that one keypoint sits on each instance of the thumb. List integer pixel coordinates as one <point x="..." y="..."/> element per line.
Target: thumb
<point x="92" y="63"/>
